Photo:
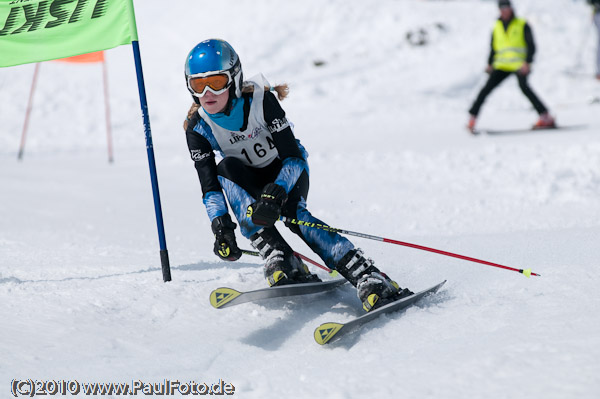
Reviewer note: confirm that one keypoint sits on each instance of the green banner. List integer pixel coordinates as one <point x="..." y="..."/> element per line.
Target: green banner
<point x="42" y="30"/>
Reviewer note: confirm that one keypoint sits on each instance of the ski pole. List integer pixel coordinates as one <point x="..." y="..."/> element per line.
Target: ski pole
<point x="328" y="270"/>
<point x="526" y="272"/>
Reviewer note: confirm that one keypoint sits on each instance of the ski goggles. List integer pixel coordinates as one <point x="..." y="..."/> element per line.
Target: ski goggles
<point x="217" y="83"/>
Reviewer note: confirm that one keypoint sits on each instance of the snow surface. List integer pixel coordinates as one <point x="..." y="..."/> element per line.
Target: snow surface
<point x="80" y="282"/>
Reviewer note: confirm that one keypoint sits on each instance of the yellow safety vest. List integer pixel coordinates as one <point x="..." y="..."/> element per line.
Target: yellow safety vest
<point x="509" y="45"/>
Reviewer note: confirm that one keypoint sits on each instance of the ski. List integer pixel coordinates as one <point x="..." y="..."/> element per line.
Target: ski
<point x="526" y="130"/>
<point x="224" y="297"/>
<point x="329" y="332"/>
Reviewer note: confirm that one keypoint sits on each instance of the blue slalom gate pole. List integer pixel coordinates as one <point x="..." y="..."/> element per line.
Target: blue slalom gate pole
<point x="164" y="254"/>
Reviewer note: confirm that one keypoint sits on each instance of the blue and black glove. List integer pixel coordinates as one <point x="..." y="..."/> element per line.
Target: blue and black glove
<point x="266" y="211"/>
<point x="225" y="245"/>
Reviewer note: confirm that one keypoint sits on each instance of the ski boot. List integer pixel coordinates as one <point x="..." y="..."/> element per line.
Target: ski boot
<point x="282" y="266"/>
<point x="546" y="121"/>
<point x="471" y="124"/>
<point x="374" y="288"/>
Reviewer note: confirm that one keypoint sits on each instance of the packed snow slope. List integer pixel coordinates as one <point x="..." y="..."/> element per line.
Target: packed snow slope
<point x="383" y="120"/>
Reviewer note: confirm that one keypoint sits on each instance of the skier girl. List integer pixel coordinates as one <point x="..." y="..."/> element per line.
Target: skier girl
<point x="263" y="173"/>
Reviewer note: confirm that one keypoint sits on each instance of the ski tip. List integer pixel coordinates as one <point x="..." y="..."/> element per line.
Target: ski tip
<point x="221" y="296"/>
<point x="435" y="288"/>
<point x="326" y="331"/>
<point x="333" y="273"/>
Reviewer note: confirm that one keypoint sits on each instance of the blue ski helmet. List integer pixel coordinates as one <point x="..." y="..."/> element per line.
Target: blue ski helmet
<point x="214" y="56"/>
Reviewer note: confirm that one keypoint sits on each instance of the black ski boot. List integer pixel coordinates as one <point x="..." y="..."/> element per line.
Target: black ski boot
<point x="282" y="266"/>
<point x="375" y="288"/>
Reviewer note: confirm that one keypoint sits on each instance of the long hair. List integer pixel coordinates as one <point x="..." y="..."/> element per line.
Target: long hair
<point x="193" y="109"/>
<point x="282" y="91"/>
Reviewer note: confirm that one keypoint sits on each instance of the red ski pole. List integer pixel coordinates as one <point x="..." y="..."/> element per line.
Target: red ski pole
<point x="525" y="272"/>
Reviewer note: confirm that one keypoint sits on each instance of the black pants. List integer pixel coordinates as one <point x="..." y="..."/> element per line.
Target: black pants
<point x="496" y="77"/>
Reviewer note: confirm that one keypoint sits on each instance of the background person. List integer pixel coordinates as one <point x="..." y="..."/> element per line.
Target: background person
<point x="512" y="50"/>
<point x="596" y="10"/>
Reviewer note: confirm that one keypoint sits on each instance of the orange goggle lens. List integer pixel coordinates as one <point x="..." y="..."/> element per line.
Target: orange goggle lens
<point x="215" y="82"/>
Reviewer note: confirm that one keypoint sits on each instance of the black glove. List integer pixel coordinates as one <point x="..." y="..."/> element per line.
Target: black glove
<point x="225" y="245"/>
<point x="266" y="211"/>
